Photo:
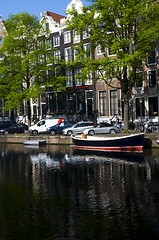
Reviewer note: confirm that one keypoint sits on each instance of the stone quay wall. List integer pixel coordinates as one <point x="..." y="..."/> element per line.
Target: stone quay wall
<point x="61" y="139"/>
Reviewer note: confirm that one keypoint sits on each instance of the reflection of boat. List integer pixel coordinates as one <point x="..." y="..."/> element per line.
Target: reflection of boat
<point x="119" y="143"/>
<point x="131" y="158"/>
<point x="35" y="142"/>
<point x="43" y="158"/>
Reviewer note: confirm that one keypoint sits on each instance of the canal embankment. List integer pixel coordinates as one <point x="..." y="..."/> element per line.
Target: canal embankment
<point x="150" y="139"/>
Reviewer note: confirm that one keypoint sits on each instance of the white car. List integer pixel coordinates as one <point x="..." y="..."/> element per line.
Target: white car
<point x="43" y="125"/>
<point x="78" y="127"/>
<point x="101" y="128"/>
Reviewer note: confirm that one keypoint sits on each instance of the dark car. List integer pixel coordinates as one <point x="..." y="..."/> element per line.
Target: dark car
<point x="16" y="128"/>
<point x="6" y="124"/>
<point x="58" y="128"/>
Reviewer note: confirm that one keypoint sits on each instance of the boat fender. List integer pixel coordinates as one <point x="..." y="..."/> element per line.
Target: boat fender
<point x="84" y="136"/>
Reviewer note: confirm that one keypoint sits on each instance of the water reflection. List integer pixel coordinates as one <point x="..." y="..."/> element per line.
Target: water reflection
<point x="57" y="193"/>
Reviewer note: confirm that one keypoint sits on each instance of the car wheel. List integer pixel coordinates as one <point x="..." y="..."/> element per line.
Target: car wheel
<point x="69" y="132"/>
<point x="91" y="133"/>
<point x="6" y="132"/>
<point x="52" y="132"/>
<point x="34" y="132"/>
<point x="112" y="131"/>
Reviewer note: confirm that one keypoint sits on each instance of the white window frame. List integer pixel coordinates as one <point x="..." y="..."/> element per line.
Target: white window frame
<point x="56" y="41"/>
<point x="85" y="48"/>
<point x="78" y="81"/>
<point x="102" y="96"/>
<point x="148" y="75"/>
<point x="76" y="36"/>
<point x="57" y="55"/>
<point x="86" y="33"/>
<point x="68" y="57"/>
<point x="99" y="51"/>
<point x="89" y="80"/>
<point x="69" y="78"/>
<point x="67" y="37"/>
<point x="49" y="43"/>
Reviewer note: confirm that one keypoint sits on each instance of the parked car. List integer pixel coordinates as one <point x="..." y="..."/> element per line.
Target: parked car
<point x="78" y="127"/>
<point x="101" y="128"/>
<point x="16" y="128"/>
<point x="152" y="126"/>
<point x="42" y="125"/>
<point x="6" y="124"/>
<point x="59" y="127"/>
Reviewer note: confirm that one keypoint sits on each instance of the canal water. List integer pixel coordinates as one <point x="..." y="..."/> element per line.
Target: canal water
<point x="54" y="192"/>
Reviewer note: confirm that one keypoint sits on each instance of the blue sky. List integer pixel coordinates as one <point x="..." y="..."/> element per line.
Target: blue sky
<point x="35" y="7"/>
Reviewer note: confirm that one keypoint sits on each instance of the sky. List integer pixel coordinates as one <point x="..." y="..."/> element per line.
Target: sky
<point x="34" y="7"/>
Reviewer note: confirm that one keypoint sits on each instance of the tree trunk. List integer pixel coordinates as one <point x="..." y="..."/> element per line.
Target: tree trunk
<point x="29" y="113"/>
<point x="126" y="111"/>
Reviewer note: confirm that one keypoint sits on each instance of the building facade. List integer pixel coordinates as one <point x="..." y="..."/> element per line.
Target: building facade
<point x="87" y="98"/>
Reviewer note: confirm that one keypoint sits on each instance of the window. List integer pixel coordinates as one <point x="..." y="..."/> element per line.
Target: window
<point x="49" y="43"/>
<point x="113" y="103"/>
<point x="86" y="33"/>
<point x="100" y="75"/>
<point x="76" y="52"/>
<point x="57" y="56"/>
<point x="57" y="71"/>
<point x="40" y="43"/>
<point x="99" y="50"/>
<point x="89" y="78"/>
<point x="68" y="54"/>
<point x="153" y="106"/>
<point x="67" y="37"/>
<point x="71" y="103"/>
<point x="48" y="58"/>
<point x="139" y="80"/>
<point x="152" y="78"/>
<point x="56" y="40"/>
<point x="87" y="48"/>
<point x="69" y="80"/>
<point x="140" y="107"/>
<point x="41" y="58"/>
<point x="78" y="80"/>
<point x="76" y="36"/>
<point x="102" y="103"/>
<point x="1" y="40"/>
<point x="152" y="57"/>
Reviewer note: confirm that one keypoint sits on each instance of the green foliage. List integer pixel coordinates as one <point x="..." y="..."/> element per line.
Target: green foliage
<point x="26" y="61"/>
<point x="126" y="31"/>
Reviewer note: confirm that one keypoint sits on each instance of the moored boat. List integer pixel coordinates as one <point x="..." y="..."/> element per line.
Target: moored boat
<point x="126" y="143"/>
<point x="35" y="142"/>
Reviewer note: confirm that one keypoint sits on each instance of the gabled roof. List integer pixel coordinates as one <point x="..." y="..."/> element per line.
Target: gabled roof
<point x="55" y="17"/>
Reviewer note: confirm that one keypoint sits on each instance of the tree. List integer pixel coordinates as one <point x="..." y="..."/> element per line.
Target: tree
<point x="25" y="70"/>
<point x="126" y="31"/>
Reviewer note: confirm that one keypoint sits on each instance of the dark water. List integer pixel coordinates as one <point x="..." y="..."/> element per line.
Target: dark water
<point x="56" y="193"/>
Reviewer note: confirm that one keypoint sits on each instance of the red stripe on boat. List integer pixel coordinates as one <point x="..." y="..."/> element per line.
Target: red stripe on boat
<point x="125" y="149"/>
